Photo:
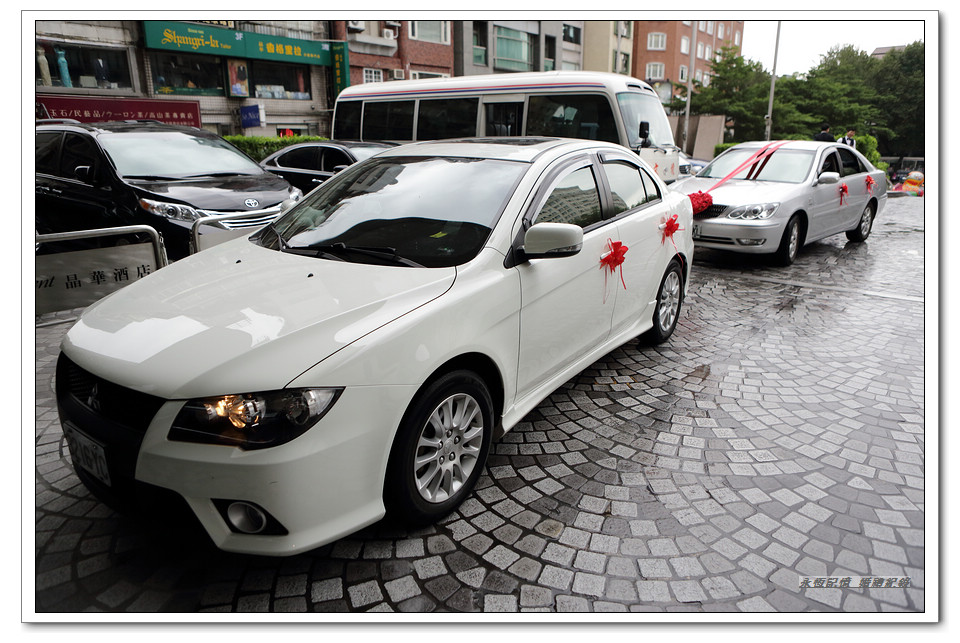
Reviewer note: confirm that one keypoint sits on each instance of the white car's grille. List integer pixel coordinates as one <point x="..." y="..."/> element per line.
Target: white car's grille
<point x="249" y="218"/>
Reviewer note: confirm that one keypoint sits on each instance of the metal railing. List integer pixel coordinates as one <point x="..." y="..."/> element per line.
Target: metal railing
<point x="159" y="252"/>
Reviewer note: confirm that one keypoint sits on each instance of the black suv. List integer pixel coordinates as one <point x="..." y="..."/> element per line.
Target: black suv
<point x="104" y="175"/>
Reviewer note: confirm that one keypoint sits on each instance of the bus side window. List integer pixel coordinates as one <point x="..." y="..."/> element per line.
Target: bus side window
<point x="586" y="116"/>
<point x="388" y="120"/>
<point x="447" y="118"/>
<point x="348" y="120"/>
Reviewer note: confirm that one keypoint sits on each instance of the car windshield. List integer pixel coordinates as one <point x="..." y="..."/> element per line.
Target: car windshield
<point x="783" y="166"/>
<point x="174" y="155"/>
<point x="424" y="211"/>
<point x="634" y="108"/>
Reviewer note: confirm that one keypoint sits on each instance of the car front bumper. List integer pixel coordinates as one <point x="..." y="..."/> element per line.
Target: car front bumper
<point x="756" y="236"/>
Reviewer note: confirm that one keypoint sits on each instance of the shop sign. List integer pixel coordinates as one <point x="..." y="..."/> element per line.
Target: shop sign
<point x="96" y="110"/>
<point x="341" y="66"/>
<point x="206" y="39"/>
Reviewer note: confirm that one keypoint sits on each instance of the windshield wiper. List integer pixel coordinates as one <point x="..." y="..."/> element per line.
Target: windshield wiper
<point x="389" y="254"/>
<point x="213" y="175"/>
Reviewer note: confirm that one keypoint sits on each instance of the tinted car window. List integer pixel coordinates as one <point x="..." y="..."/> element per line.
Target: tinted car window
<point x="304" y="158"/>
<point x="447" y="118"/>
<point x="47" y="152"/>
<point x="77" y="151"/>
<point x="388" y="120"/>
<point x="575" y="199"/>
<point x="436" y="212"/>
<point x="332" y="158"/>
<point x="653" y="190"/>
<point x="572" y="116"/>
<point x="849" y="162"/>
<point x="626" y="186"/>
<point x="347" y="120"/>
<point x="830" y="163"/>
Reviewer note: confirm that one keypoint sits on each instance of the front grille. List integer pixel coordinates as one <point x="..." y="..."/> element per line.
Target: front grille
<point x="250" y="219"/>
<point x="713" y="211"/>
<point x="105" y="399"/>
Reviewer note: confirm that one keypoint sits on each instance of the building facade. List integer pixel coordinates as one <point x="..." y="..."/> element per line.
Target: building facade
<point x="667" y="52"/>
<point x="488" y="47"/>
<point x="264" y="78"/>
<point x="609" y="46"/>
<point x="385" y="50"/>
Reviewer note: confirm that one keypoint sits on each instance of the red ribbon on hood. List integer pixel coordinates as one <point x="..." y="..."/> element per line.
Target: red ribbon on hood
<point x="702" y="200"/>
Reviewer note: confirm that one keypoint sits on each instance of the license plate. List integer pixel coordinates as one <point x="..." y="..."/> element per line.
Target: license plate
<point x="696" y="231"/>
<point x="87" y="453"/>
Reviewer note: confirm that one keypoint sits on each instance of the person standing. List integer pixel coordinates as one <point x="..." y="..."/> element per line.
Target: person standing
<point x="824" y="134"/>
<point x="848" y="139"/>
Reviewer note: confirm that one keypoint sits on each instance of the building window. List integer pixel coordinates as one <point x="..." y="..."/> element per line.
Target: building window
<point x="571" y="34"/>
<point x="706" y="80"/>
<point x="685" y="45"/>
<point x="570" y="65"/>
<point x="276" y="80"/>
<point x="621" y="62"/>
<point x="658" y="41"/>
<point x="736" y="38"/>
<point x="480" y="43"/>
<point x="710" y="27"/>
<point x="190" y="75"/>
<point x="372" y="75"/>
<point x="430" y="31"/>
<point x="708" y="52"/>
<point x="683" y="73"/>
<point x="549" y="53"/>
<point x="622" y="28"/>
<point x="514" y="50"/>
<point x="65" y="65"/>
<point x="703" y="25"/>
<point x="698" y="76"/>
<point x="655" y="71"/>
<point x="699" y="50"/>
<point x="720" y="31"/>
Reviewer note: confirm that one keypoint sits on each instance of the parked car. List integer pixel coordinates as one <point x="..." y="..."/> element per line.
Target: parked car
<point x="802" y="192"/>
<point x="105" y="175"/>
<point x="357" y="355"/>
<point x="690" y="166"/>
<point x="307" y="165"/>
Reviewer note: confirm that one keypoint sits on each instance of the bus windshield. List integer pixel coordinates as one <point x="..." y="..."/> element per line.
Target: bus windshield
<point x="635" y="107"/>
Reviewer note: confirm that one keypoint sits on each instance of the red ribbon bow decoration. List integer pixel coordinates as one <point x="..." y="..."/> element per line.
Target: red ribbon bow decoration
<point x="870" y="184"/>
<point x="700" y="201"/>
<point x="670" y="226"/>
<point x="843" y="191"/>
<point x="613" y="260"/>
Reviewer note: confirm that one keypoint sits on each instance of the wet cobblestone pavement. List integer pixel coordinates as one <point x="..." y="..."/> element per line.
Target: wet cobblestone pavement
<point x="778" y="434"/>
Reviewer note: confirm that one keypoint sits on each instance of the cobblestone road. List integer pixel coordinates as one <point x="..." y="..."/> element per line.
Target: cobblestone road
<point x="779" y="434"/>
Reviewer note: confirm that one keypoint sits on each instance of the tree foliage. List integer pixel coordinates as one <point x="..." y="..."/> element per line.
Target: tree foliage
<point x="849" y="89"/>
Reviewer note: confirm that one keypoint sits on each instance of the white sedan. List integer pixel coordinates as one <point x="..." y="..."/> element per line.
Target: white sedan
<point x="357" y="356"/>
<point x="774" y="198"/>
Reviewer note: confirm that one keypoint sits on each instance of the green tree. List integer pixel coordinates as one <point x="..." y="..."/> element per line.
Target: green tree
<point x="899" y="82"/>
<point x="736" y="90"/>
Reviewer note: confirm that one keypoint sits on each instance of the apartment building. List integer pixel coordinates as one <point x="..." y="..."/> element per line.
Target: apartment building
<point x="492" y="46"/>
<point x="609" y="46"/>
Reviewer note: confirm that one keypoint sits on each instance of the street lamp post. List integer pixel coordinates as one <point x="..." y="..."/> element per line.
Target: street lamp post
<point x="773" y="82"/>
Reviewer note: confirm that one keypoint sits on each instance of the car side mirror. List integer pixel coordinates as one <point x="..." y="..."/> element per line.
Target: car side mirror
<point x="546" y="240"/>
<point x="83" y="173"/>
<point x="644" y="134"/>
<point x="828" y="177"/>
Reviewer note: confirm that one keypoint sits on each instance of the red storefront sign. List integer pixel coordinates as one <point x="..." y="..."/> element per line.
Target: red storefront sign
<point x="94" y="110"/>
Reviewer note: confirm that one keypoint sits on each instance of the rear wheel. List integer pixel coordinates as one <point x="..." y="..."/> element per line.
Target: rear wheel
<point x="440" y="449"/>
<point x="790" y="243"/>
<point x="669" y="300"/>
<point x="862" y="231"/>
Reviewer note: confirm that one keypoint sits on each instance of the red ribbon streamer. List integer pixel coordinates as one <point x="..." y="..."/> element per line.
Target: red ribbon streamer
<point x="669" y="227"/>
<point x="702" y="200"/>
<point x="870" y="184"/>
<point x="613" y="260"/>
<point x="843" y="191"/>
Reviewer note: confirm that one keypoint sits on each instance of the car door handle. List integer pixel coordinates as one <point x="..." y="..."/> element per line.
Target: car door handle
<point x="662" y="226"/>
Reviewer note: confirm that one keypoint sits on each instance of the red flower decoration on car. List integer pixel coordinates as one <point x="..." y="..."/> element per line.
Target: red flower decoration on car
<point x="700" y="201"/>
<point x="613" y="260"/>
<point x="870" y="184"/>
<point x="843" y="192"/>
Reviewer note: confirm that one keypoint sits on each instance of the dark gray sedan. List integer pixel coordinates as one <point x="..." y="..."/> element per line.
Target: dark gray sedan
<point x="307" y="165"/>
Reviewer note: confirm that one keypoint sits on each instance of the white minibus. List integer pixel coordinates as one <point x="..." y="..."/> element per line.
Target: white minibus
<point x="570" y="104"/>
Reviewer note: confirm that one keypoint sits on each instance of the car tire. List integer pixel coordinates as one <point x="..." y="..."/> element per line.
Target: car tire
<point x="437" y="457"/>
<point x="790" y="243"/>
<point x="864" y="226"/>
<point x="669" y="302"/>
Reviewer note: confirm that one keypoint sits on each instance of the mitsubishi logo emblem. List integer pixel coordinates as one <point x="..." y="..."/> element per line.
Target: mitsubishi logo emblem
<point x="251" y="203"/>
<point x="92" y="400"/>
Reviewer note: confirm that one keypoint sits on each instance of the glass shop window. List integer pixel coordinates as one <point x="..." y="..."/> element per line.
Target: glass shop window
<point x="66" y="65"/>
<point x="276" y="80"/>
<point x="183" y="74"/>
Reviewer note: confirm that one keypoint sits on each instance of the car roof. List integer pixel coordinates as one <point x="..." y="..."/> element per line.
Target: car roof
<point x="119" y="127"/>
<point x="510" y="148"/>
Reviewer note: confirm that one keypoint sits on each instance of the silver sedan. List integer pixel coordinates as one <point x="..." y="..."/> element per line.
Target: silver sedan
<point x="775" y="197"/>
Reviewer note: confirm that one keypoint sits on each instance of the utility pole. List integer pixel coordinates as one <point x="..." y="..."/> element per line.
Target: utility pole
<point x="693" y="62"/>
<point x="773" y="82"/>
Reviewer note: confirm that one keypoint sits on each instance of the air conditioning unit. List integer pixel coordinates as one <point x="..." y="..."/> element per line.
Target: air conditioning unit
<point x="397" y="74"/>
<point x="389" y="34"/>
<point x="392" y="23"/>
<point x="356" y="25"/>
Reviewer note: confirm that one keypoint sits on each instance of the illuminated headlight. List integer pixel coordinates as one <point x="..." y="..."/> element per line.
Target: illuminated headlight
<point x="252" y="420"/>
<point x="755" y="211"/>
<point x="176" y="211"/>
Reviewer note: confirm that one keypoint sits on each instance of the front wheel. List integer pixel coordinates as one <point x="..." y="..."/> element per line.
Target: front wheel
<point x="669" y="300"/>
<point x="790" y="243"/>
<point x="862" y="231"/>
<point x="440" y="449"/>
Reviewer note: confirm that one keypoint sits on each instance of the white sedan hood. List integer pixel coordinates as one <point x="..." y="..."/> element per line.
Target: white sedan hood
<point x="739" y="191"/>
<point x="239" y="318"/>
